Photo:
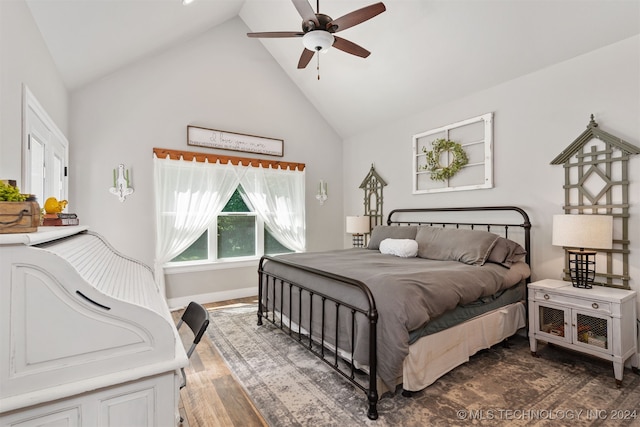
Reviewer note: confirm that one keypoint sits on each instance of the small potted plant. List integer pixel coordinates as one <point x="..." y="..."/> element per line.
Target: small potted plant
<point x="19" y="213"/>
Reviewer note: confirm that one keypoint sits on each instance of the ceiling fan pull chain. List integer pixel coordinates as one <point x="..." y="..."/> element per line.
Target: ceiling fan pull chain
<point x="318" y="66"/>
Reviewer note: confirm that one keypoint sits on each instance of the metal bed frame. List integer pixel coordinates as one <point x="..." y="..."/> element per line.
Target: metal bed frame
<point x="273" y="290"/>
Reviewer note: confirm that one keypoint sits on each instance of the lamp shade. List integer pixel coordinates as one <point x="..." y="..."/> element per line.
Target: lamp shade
<point x="358" y="225"/>
<point x="318" y="40"/>
<point x="583" y="231"/>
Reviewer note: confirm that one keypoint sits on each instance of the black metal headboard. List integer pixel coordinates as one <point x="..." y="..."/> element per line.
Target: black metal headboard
<point x="421" y="216"/>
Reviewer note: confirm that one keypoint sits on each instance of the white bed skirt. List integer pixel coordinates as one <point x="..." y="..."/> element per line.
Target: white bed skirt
<point x="434" y="355"/>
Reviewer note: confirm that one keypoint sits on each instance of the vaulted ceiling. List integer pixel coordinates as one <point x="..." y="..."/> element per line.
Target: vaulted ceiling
<point x="424" y="52"/>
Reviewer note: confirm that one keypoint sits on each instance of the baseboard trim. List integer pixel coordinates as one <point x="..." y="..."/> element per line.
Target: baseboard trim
<point x="181" y="302"/>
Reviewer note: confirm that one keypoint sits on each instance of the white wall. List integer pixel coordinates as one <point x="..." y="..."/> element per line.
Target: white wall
<point x="225" y="80"/>
<point x="535" y="118"/>
<point x="221" y="80"/>
<point x="24" y="59"/>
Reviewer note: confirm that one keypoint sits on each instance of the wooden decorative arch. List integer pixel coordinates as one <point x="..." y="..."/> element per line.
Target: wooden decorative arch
<point x="372" y="186"/>
<point x="596" y="174"/>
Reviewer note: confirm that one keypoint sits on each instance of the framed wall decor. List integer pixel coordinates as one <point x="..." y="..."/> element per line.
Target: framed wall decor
<point x="454" y="157"/>
<point x="213" y="138"/>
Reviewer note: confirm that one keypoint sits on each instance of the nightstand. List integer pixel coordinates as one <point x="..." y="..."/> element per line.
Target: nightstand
<point x="599" y="321"/>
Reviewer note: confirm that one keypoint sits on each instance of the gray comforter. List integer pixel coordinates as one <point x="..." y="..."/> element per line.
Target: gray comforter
<point x="408" y="293"/>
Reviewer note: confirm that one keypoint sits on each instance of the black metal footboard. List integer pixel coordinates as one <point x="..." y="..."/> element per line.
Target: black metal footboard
<point x="330" y="332"/>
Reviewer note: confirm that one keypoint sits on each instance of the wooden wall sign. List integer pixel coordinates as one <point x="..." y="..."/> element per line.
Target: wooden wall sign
<point x="213" y="138"/>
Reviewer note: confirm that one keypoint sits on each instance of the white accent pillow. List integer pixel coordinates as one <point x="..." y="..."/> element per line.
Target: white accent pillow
<point x="405" y="248"/>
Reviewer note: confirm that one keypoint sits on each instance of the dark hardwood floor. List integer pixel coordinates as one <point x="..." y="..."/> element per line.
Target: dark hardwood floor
<point x="212" y="396"/>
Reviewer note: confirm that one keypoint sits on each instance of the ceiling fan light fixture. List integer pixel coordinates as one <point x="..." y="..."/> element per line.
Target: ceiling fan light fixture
<point x="318" y="40"/>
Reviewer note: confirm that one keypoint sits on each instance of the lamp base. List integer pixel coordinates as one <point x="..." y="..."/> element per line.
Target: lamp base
<point x="582" y="268"/>
<point x="357" y="240"/>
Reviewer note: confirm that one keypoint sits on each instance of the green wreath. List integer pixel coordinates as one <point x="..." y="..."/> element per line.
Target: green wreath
<point x="439" y="172"/>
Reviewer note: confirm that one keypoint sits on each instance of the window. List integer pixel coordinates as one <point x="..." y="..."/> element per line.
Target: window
<point x="236" y="234"/>
<point x="196" y="197"/>
<point x="45" y="150"/>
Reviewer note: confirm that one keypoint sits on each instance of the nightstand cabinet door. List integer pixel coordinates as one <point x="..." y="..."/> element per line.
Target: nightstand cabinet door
<point x="552" y="321"/>
<point x="591" y="331"/>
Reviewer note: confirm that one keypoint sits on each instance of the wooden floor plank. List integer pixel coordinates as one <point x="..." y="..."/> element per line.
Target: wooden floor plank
<point x="240" y="410"/>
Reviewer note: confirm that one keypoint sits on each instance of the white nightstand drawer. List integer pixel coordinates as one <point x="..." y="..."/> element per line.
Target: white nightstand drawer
<point x="599" y="306"/>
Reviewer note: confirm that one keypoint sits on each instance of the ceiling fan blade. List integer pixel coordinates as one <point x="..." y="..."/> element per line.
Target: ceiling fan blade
<point x="306" y="11"/>
<point x="305" y="58"/>
<point x="357" y="16"/>
<point x="276" y="34"/>
<point x="350" y="47"/>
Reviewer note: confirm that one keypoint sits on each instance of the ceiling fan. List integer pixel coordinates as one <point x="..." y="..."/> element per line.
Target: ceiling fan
<point x="318" y="30"/>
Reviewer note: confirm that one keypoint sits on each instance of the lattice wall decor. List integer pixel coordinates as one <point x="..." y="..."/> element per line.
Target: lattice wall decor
<point x="372" y="186"/>
<point x="597" y="182"/>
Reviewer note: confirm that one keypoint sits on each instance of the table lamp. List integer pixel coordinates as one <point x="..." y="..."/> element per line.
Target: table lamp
<point x="580" y="234"/>
<point x="357" y="226"/>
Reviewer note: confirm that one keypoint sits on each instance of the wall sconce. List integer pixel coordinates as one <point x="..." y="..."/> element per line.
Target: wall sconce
<point x="322" y="192"/>
<point x="582" y="231"/>
<point x="121" y="183"/>
<point x="357" y="226"/>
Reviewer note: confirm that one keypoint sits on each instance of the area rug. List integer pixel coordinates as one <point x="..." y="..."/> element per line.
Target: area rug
<point x="498" y="386"/>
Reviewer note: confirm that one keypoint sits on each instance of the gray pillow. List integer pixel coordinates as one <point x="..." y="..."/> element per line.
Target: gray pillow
<point x="506" y="252"/>
<point x="452" y="244"/>
<point x="381" y="232"/>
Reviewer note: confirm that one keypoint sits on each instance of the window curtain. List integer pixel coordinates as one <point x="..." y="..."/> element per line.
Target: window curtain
<point x="188" y="196"/>
<point x="278" y="198"/>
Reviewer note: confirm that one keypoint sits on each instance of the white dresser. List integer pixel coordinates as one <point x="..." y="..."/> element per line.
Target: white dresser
<point x="599" y="321"/>
<point x="85" y="336"/>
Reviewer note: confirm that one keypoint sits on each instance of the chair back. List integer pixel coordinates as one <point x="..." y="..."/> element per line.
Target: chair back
<point x="197" y="318"/>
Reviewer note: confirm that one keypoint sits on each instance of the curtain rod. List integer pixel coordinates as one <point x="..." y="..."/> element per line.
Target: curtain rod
<point x="162" y="153"/>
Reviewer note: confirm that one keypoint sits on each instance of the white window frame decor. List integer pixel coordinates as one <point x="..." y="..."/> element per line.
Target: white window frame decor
<point x="422" y="144"/>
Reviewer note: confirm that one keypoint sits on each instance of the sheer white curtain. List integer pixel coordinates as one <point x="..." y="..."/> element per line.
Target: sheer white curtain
<point x="188" y="196"/>
<point x="278" y="198"/>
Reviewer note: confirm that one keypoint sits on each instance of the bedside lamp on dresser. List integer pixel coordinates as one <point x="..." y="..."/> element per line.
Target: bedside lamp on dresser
<point x="358" y="226"/>
<point x="582" y="231"/>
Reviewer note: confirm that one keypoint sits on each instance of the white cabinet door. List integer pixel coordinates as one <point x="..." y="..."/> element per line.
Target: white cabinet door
<point x="591" y="331"/>
<point x="65" y="418"/>
<point x="129" y="409"/>
<point x="552" y="321"/>
<point x="149" y="402"/>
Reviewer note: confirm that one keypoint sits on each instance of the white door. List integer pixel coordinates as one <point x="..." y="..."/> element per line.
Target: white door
<point x="45" y="153"/>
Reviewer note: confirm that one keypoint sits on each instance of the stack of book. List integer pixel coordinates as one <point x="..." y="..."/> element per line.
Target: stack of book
<point x="56" y="219"/>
